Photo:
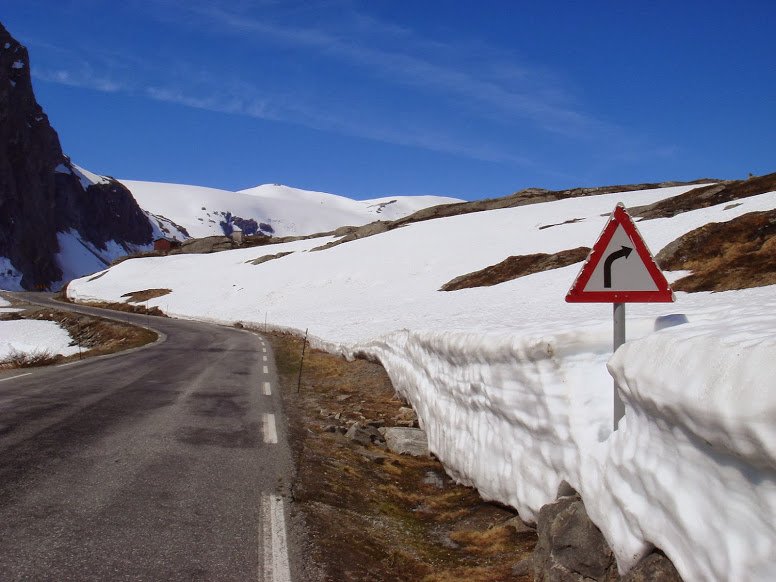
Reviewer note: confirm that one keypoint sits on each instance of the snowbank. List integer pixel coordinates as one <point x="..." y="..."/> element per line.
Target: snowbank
<point x="34" y="338"/>
<point x="511" y="383"/>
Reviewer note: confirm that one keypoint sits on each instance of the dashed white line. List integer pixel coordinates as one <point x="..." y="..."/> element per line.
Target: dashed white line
<point x="264" y="349"/>
<point x="276" y="568"/>
<point x="266" y="370"/>
<point x="264" y="358"/>
<point x="270" y="430"/>
<point x="14" y="377"/>
<point x="267" y="389"/>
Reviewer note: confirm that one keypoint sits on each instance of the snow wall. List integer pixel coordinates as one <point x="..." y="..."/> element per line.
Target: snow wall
<point x="690" y="469"/>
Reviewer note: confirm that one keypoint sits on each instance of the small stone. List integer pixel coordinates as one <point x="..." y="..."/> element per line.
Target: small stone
<point x="343" y="397"/>
<point x="519" y="525"/>
<point x="405" y="413"/>
<point x="434" y="480"/>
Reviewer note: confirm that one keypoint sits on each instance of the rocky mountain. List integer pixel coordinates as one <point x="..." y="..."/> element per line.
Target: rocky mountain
<point x="44" y="198"/>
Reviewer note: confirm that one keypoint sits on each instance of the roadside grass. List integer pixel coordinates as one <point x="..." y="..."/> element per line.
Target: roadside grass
<point x="17" y="359"/>
<point x="373" y="514"/>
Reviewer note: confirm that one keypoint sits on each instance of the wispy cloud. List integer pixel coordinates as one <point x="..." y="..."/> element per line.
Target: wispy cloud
<point x="84" y="79"/>
<point x="313" y="118"/>
<point x="478" y="84"/>
<point x="519" y="97"/>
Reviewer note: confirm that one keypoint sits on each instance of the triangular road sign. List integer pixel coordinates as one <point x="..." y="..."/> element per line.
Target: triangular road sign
<point x="614" y="273"/>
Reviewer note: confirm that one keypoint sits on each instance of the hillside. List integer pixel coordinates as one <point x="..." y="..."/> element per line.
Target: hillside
<point x="511" y="383"/>
<point x="270" y="209"/>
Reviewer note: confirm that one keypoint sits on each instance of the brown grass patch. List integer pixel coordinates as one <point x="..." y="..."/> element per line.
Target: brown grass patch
<point x="145" y="295"/>
<point x="372" y="514"/>
<point x="738" y="254"/>
<point x="515" y="267"/>
<point x="707" y="196"/>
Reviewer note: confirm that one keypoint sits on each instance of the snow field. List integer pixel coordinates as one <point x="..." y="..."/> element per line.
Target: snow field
<point x="511" y="382"/>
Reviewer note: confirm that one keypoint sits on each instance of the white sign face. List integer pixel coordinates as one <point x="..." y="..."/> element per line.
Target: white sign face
<point x="620" y="267"/>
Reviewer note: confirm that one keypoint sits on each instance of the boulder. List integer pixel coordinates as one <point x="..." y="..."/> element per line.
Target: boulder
<point x="570" y="547"/>
<point x="406" y="441"/>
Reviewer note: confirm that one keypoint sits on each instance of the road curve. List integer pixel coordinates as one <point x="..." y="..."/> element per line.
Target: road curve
<point x="150" y="465"/>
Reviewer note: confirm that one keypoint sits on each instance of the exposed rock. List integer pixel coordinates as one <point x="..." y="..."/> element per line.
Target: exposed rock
<point x="519" y="525"/>
<point x="433" y="479"/>
<point x="570" y="547"/>
<point x="656" y="567"/>
<point x="521" y="198"/>
<point x="208" y="244"/>
<point x="515" y="267"/>
<point x="406" y="441"/>
<point x="41" y="193"/>
<point x="406" y="413"/>
<point x="265" y="258"/>
<point x="355" y="233"/>
<point x="704" y="197"/>
<point x="363" y="435"/>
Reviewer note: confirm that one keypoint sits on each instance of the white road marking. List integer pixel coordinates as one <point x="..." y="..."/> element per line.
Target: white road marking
<point x="264" y="349"/>
<point x="266" y="370"/>
<point x="270" y="430"/>
<point x="267" y="389"/>
<point x="17" y="376"/>
<point x="264" y="358"/>
<point x="69" y="363"/>
<point x="276" y="568"/>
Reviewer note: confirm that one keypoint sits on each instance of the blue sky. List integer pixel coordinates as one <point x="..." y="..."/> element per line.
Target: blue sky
<point x="380" y="97"/>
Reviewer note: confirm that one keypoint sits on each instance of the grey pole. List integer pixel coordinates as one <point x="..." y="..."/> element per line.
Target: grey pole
<point x="619" y="339"/>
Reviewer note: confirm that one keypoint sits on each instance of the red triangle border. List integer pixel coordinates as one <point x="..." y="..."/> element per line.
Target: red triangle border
<point x="577" y="294"/>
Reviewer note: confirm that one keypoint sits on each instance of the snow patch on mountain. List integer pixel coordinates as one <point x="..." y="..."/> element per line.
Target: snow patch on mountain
<point x="276" y="210"/>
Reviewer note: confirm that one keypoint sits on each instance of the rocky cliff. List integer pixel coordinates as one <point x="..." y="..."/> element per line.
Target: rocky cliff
<point x="43" y="194"/>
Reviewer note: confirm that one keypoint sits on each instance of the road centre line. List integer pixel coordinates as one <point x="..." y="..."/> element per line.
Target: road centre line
<point x="264" y="349"/>
<point x="266" y="370"/>
<point x="264" y="358"/>
<point x="270" y="430"/>
<point x="267" y="389"/>
<point x="17" y="376"/>
<point x="276" y="568"/>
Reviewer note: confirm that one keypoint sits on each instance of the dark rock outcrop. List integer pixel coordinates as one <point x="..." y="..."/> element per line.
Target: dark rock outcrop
<point x="41" y="193"/>
<point x="570" y="547"/>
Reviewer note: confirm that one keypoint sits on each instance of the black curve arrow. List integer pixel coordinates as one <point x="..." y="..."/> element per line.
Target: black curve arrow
<point x="623" y="252"/>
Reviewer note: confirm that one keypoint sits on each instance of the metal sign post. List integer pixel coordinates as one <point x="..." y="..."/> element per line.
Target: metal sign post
<point x="619" y="338"/>
<point x="613" y="273"/>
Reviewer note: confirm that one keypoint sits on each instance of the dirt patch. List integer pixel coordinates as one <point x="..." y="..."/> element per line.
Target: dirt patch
<point x="265" y="258"/>
<point x="373" y="514"/>
<point x="96" y="336"/>
<point x="515" y="267"/>
<point x="706" y="196"/>
<point x="145" y="295"/>
<point x="737" y="254"/>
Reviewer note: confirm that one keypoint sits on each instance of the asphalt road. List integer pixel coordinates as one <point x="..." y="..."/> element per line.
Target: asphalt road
<point x="158" y="464"/>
